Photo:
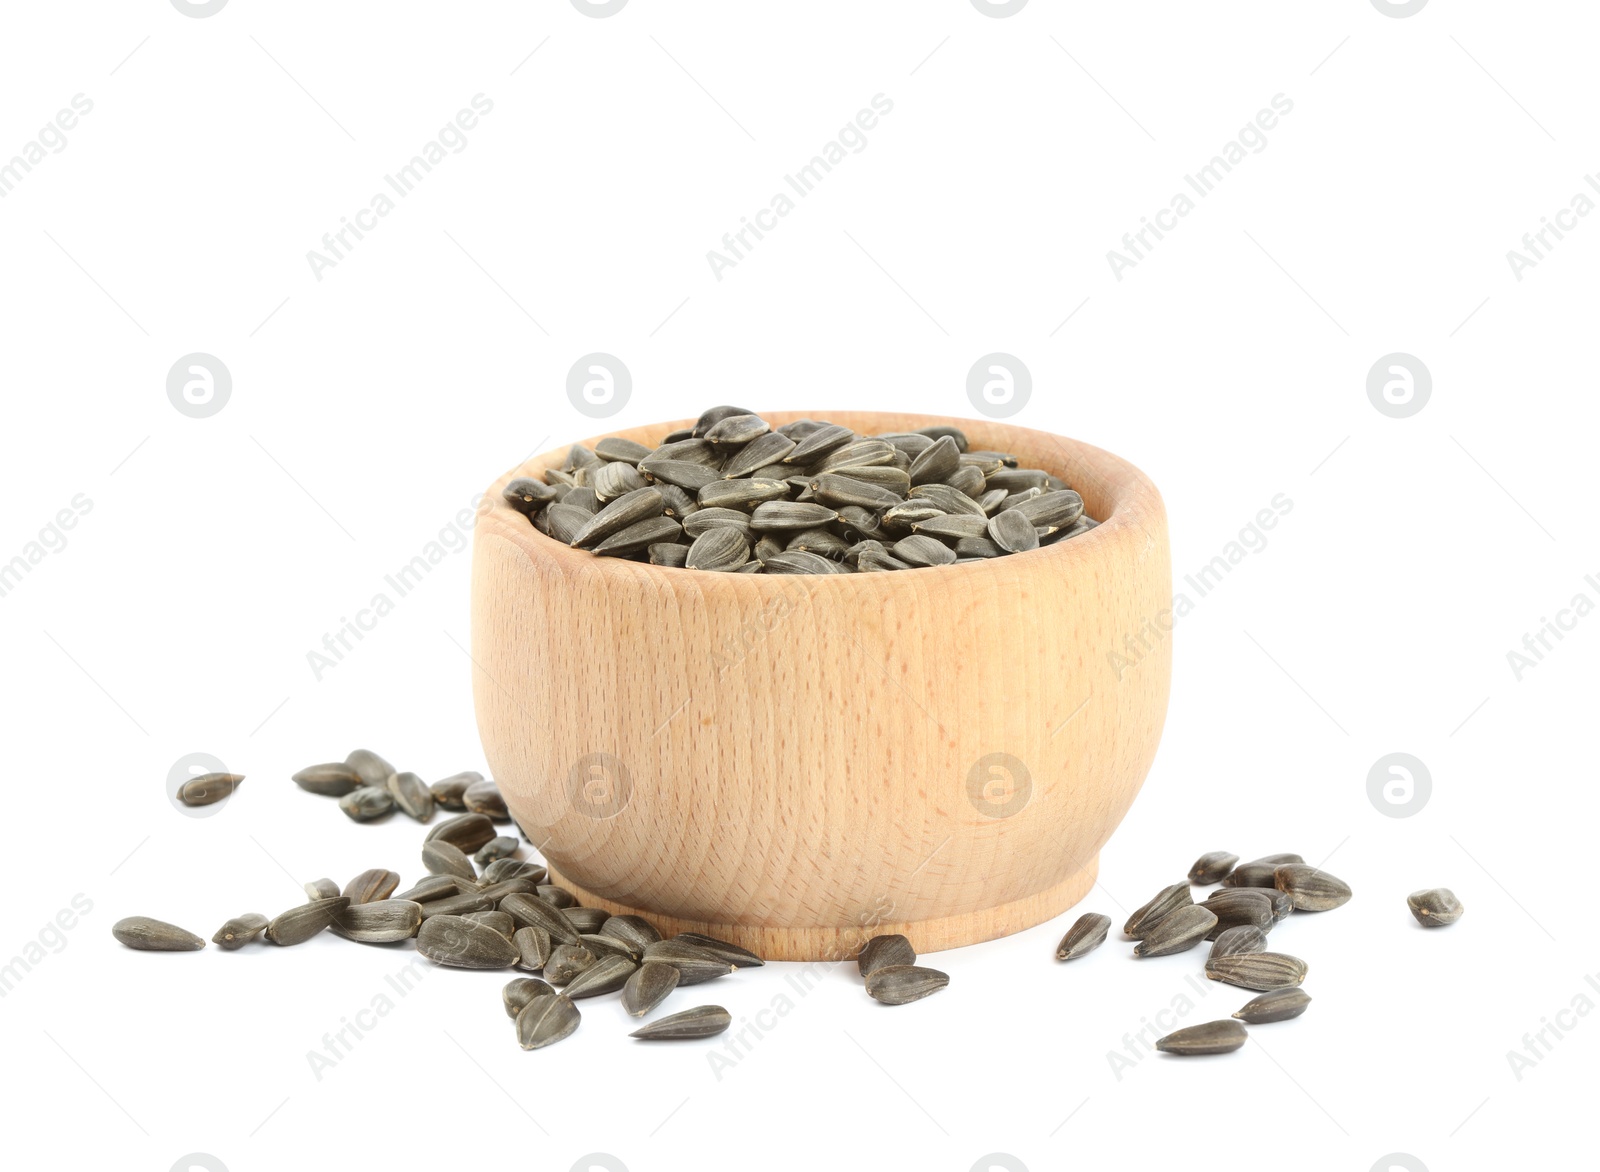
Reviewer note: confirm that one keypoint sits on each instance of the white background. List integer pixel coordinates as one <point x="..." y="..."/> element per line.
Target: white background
<point x="370" y="406"/>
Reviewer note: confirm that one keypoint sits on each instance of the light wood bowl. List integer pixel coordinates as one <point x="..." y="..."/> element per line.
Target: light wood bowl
<point x="796" y="764"/>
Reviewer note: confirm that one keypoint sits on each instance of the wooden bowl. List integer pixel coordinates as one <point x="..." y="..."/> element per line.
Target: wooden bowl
<point x="798" y="763"/>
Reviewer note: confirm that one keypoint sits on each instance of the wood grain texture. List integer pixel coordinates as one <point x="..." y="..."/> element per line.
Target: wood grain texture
<point x="795" y="764"/>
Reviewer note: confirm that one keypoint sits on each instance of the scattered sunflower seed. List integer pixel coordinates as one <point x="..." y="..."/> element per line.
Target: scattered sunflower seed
<point x="483" y="797"/>
<point x="883" y="951"/>
<point x="239" y="931"/>
<point x="533" y="948"/>
<point x="502" y="847"/>
<point x="1212" y="868"/>
<point x="367" y="803"/>
<point x="322" y="889"/>
<point x="694" y="963"/>
<point x="299" y="924"/>
<point x="332" y="780"/>
<point x="1085" y="935"/>
<point x="634" y="931"/>
<point x="1310" y="889"/>
<point x="567" y="961"/>
<point x="460" y="943"/>
<point x="467" y="832"/>
<point x="445" y="858"/>
<point x="411" y="794"/>
<point x="741" y="958"/>
<point x="546" y="1020"/>
<point x="703" y="1021"/>
<point x="1213" y="1037"/>
<point x="900" y="984"/>
<point x="520" y="990"/>
<point x="1257" y="970"/>
<point x="530" y="911"/>
<point x="605" y="975"/>
<point x="371" y="768"/>
<point x="1164" y="902"/>
<point x="648" y="987"/>
<point x="1435" y="907"/>
<point x="382" y="922"/>
<point x="147" y="935"/>
<point x="371" y="885"/>
<point x="1177" y="931"/>
<point x="1278" y="1005"/>
<point x="587" y="919"/>
<point x="1232" y="941"/>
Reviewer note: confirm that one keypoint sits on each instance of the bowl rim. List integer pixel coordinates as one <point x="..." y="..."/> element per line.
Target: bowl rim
<point x="1135" y="503"/>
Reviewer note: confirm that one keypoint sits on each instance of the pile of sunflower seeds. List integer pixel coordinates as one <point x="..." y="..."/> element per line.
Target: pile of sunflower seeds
<point x="810" y="497"/>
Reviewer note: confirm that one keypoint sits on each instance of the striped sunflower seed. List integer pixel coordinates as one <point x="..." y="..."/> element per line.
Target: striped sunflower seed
<point x="366" y="804"/>
<point x="1240" y="906"/>
<point x="797" y="562"/>
<point x="819" y="443"/>
<point x="977" y="547"/>
<point x="1165" y="901"/>
<point x="449" y="791"/>
<point x="1058" y="508"/>
<point x="382" y="922"/>
<point x="666" y="553"/>
<point x="936" y="462"/>
<point x="953" y="527"/>
<point x="1261" y="971"/>
<point x="507" y="868"/>
<point x="557" y="896"/>
<point x="1213" y="1037"/>
<point x="609" y="946"/>
<point x="1177" y="931"/>
<point x="299" y="924"/>
<point x="638" y="536"/>
<point x="759" y="453"/>
<point x="411" y="794"/>
<point x="466" y="832"/>
<point x="945" y="499"/>
<point x="735" y="430"/>
<point x="531" y="911"/>
<point x="1434" y="907"/>
<point x="431" y="887"/>
<point x="460" y="943"/>
<point x="239" y="931"/>
<point x="634" y="931"/>
<point x="1251" y="875"/>
<point x="835" y="491"/>
<point x="444" y="858"/>
<point x="533" y="948"/>
<point x="501" y="847"/>
<point x="918" y="550"/>
<point x="567" y="961"/>
<point x="694" y="963"/>
<point x="901" y="984"/>
<point x="1087" y="933"/>
<point x="741" y="958"/>
<point x="704" y="521"/>
<point x="564" y="522"/>
<point x="1212" y="868"/>
<point x="1310" y="889"/>
<point x="500" y="921"/>
<point x="321" y="889"/>
<point x="703" y="1021"/>
<point x="607" y="975"/>
<point x="545" y="1021"/>
<point x="372" y="769"/>
<point x="147" y="935"/>
<point x="484" y="797"/>
<point x="457" y="905"/>
<point x="371" y="885"/>
<point x="1244" y="938"/>
<point x="790" y="515"/>
<point x="518" y="991"/>
<point x="724" y="548"/>
<point x="527" y="495"/>
<point x="332" y="780"/>
<point x="647" y="987"/>
<point x="1275" y="860"/>
<point x="586" y="919"/>
<point x="687" y="475"/>
<point x="883" y="951"/>
<point x="621" y="513"/>
<point x="616" y="479"/>
<point x="615" y="448"/>
<point x="1278" y="1005"/>
<point x="742" y="494"/>
<point x="1012" y="531"/>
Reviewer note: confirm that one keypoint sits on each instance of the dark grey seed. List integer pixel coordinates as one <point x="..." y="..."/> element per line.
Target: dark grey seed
<point x="682" y="434"/>
<point x="431" y="887"/>
<point x="992" y="502"/>
<point x="444" y="858"/>
<point x="502" y="869"/>
<point x="208" y="788"/>
<point x="501" y="847"/>
<point x="1257" y="970"/>
<point x="634" y="931"/>
<point x="977" y="547"/>
<point x="412" y="795"/>
<point x="799" y="562"/>
<point x="896" y="480"/>
<point x="767" y="547"/>
<point x="299" y="924"/>
<point x="381" y="922"/>
<point x="712" y="416"/>
<point x="873" y="560"/>
<point x="693" y="451"/>
<point x="582" y="497"/>
<point x="321" y="889"/>
<point x="1012" y="531"/>
<point x="1309" y="889"/>
<point x="1276" y="860"/>
<point x="527" y="495"/>
<point x="940" y="430"/>
<point x="483" y="797"/>
<point x="461" y="943"/>
<point x="703" y="1021"/>
<point x="520" y="990"/>
<point x="457" y="905"/>
<point x="557" y="896"/>
<point x="741" y="494"/>
<point x="1085" y="935"/>
<point x="860" y="523"/>
<point x="936" y="462"/>
<point x="372" y="769"/>
<point x="607" y="975"/>
<point x="546" y="1020"/>
<point x="1434" y="907"/>
<point x="790" y="515"/>
<point x="667" y="553"/>
<point x="836" y="491"/>
<point x="761" y="452"/>
<point x="900" y="518"/>
<point x="371" y="885"/>
<point x="900" y="984"/>
<point x="239" y="931"/>
<point x="448" y="792"/>
<point x="619" y="514"/>
<point x="1167" y="900"/>
<point x="883" y="951"/>
<point x="1214" y="1037"/>
<point x="333" y="780"/>
<point x="677" y="502"/>
<point x="614" y="447"/>
<point x="725" y="548"/>
<point x="499" y="921"/>
<point x="466" y="832"/>
<point x="1278" y="1005"/>
<point x="367" y="803"/>
<point x="615" y="479"/>
<point x="1282" y="905"/>
<point x="638" y="536"/>
<point x="567" y="961"/>
<point x="558" y="478"/>
<point x="738" y="957"/>
<point x="1240" y="906"/>
<point x="945" y="499"/>
<point x="587" y="919"/>
<point x="1013" y="479"/>
<point x="564" y="522"/>
<point x="830" y="437"/>
<point x="579" y="456"/>
<point x="516" y="885"/>
<point x="531" y="911"/>
<point x="1177" y="931"/>
<point x="533" y="948"/>
<point x="919" y="550"/>
<point x="694" y="963"/>
<point x="705" y="520"/>
<point x="685" y="474"/>
<point x="966" y="480"/>
<point x="954" y="527"/>
<point x="735" y="430"/>
<point x="864" y="453"/>
<point x="1232" y="941"/>
<point x="1251" y="875"/>
<point x="822" y="542"/>
<point x="648" y="987"/>
<point x="609" y="946"/>
<point x="147" y="935"/>
<point x="1212" y="868"/>
<point x="1058" y="509"/>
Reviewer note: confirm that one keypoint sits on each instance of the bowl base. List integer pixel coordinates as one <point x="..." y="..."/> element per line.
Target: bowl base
<point x="833" y="944"/>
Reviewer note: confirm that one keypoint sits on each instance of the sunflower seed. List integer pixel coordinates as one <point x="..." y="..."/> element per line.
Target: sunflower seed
<point x="676" y="502"/>
<point x="1214" y="1037"/>
<point x="299" y="924"/>
<point x="579" y="456"/>
<point x="1232" y="941"/>
<point x="321" y="889"/>
<point x="1012" y="531"/>
<point x="1165" y="901"/>
<point x="565" y="522"/>
<point x="823" y="441"/>
<point x="694" y="963"/>
<point x="527" y="495"/>
<point x="586" y="919"/>
<point x="724" y="548"/>
<point x="501" y="847"/>
<point x="567" y="961"/>
<point x="208" y="788"/>
<point x="1309" y="889"/>
<point x="1177" y="931"/>
<point x="1257" y="970"/>
<point x="502" y="869"/>
<point x="1238" y="907"/>
<point x="614" y="448"/>
<point x="1013" y="479"/>
<point x="741" y="494"/>
<point x="496" y="920"/>
<point x="1211" y="868"/>
<point x="862" y="453"/>
<point x="431" y="887"/>
<point x="1060" y="508"/>
<point x="953" y="527"/>
<point x="940" y="430"/>
<point x="977" y="547"/>
<point x="1282" y="905"/>
<point x="465" y="832"/>
<point x="367" y="803"/>
<point x="615" y="479"/>
<point x="546" y="1020"/>
<point x="518" y="991"/>
<point x="686" y="474"/>
<point x="639" y="536"/>
<point x="448" y="792"/>
<point x="634" y="931"/>
<point x="606" y="975"/>
<point x="531" y="911"/>
<point x="533" y="948"/>
<point x="382" y="922"/>
<point x="946" y="499"/>
<point x="797" y="562"/>
<point x="918" y="550"/>
<point x="372" y="769"/>
<point x="900" y="984"/>
<point x="1434" y="907"/>
<point x="412" y="796"/>
<point x="761" y="452"/>
<point x="790" y="515"/>
<point x="1278" y="1005"/>
<point x="699" y="524"/>
<point x="1275" y="860"/>
<point x="147" y="935"/>
<point x="1085" y="935"/>
<point x="457" y="905"/>
<point x="647" y="987"/>
<point x="1251" y="875"/>
<point x="703" y="1021"/>
<point x="483" y="797"/>
<point x="239" y="931"/>
<point x="733" y="430"/>
<point x="517" y="885"/>
<point x="557" y="896"/>
<point x="462" y="943"/>
<point x="619" y="515"/>
<point x="883" y="951"/>
<point x="609" y="946"/>
<point x="836" y="491"/>
<point x="333" y="780"/>
<point x="443" y="858"/>
<point x="665" y="553"/>
<point x="738" y="957"/>
<point x="936" y="462"/>
<point x="371" y="885"/>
